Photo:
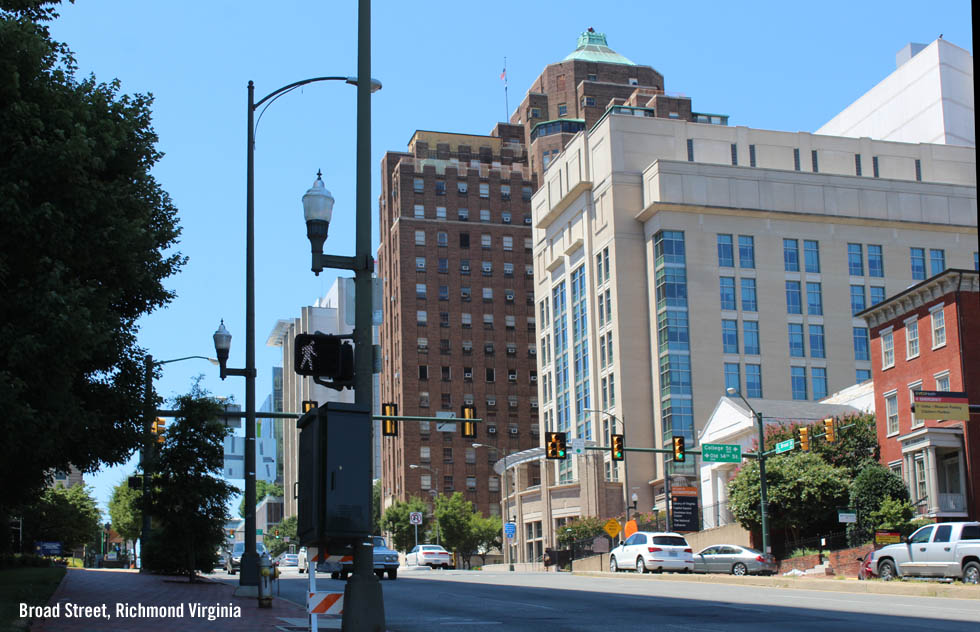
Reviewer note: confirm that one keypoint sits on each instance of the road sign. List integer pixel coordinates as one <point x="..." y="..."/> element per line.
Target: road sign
<point x="846" y="516"/>
<point x="721" y="452"/>
<point x="887" y="537"/>
<point x="510" y="530"/>
<point x="600" y="545"/>
<point x="415" y="517"/>
<point x="785" y="446"/>
<point x="446" y="426"/>
<point x="578" y="446"/>
<point x="258" y="532"/>
<point x="941" y="405"/>
<point x="612" y="527"/>
<point x="47" y="548"/>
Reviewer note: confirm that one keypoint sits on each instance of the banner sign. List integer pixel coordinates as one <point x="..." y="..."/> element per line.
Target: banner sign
<point x="887" y="537"/>
<point x="685" y="513"/>
<point x="941" y="405"/>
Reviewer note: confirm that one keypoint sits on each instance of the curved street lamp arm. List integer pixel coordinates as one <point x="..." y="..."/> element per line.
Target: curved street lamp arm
<point x="295" y="84"/>
<point x="193" y="357"/>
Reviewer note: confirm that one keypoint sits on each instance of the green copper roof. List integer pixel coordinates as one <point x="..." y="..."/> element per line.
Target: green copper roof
<point x="592" y="47"/>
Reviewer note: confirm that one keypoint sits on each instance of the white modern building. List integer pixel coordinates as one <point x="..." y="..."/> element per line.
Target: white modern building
<point x="927" y="99"/>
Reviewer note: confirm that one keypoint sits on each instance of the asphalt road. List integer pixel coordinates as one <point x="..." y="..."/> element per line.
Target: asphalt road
<point x="460" y="600"/>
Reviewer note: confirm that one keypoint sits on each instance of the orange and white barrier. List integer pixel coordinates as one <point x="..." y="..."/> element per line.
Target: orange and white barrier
<point x="337" y="559"/>
<point x="325" y="603"/>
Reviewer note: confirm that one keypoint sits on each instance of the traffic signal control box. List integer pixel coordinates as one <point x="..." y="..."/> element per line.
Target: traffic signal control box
<point x="334" y="487"/>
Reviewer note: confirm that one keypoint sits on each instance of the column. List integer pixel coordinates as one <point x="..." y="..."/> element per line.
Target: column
<point x="932" y="480"/>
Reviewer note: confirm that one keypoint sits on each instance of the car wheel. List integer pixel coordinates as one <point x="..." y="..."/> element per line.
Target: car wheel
<point x="640" y="566"/>
<point x="299" y="570"/>
<point x="343" y="575"/>
<point x="971" y="573"/>
<point x="739" y="569"/>
<point x="392" y="573"/>
<point x="886" y="570"/>
<point x="613" y="566"/>
<point x="335" y="575"/>
<point x="380" y="574"/>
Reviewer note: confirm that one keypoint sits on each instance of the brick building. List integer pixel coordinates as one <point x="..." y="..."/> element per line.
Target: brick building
<point x="920" y="341"/>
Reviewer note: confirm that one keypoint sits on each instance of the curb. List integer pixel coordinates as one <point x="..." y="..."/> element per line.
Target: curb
<point x="908" y="588"/>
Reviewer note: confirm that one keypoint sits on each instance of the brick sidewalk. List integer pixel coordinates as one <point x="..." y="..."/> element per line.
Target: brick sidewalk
<point x="98" y="587"/>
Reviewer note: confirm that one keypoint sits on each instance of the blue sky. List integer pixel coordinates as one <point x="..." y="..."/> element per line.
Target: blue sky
<point x="772" y="65"/>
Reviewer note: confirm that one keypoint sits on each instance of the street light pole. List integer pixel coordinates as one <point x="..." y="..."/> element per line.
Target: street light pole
<point x="762" y="470"/>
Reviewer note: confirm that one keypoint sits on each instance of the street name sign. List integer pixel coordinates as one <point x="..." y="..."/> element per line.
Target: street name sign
<point x="721" y="452"/>
<point x="785" y="446"/>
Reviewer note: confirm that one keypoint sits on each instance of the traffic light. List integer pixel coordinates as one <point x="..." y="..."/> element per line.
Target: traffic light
<point x="469" y="427"/>
<point x="158" y="428"/>
<point x="679" y="455"/>
<point x="805" y="439"/>
<point x="310" y="404"/>
<point x="322" y="355"/>
<point x="828" y="427"/>
<point x="618" y="450"/>
<point x="555" y="445"/>
<point x="277" y="534"/>
<point x="389" y="427"/>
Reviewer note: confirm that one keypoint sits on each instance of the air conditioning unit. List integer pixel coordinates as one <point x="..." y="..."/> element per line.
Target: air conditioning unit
<point x="513" y="431"/>
<point x="491" y="402"/>
<point x="512" y="378"/>
<point x="510" y="297"/>
<point x="534" y="405"/>
<point x="534" y="378"/>
<point x="468" y="401"/>
<point x="532" y="350"/>
<point x="527" y="220"/>
<point x="487" y="268"/>
<point x="512" y="403"/>
<point x="423" y="346"/>
<point x="465" y="267"/>
<point x="468" y="375"/>
<point x="491" y="429"/>
<point x="420" y="265"/>
<point x="506" y="219"/>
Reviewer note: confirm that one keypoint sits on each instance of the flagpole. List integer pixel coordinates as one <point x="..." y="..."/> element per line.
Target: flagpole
<point x="503" y="76"/>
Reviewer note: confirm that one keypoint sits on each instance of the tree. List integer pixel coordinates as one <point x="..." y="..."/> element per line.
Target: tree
<point x="126" y="511"/>
<point x="189" y="497"/>
<point x="287" y="529"/>
<point x="67" y="515"/>
<point x="871" y="488"/>
<point x="396" y="522"/>
<point x="804" y="492"/>
<point x="580" y="529"/>
<point x="486" y="534"/>
<point x="455" y="517"/>
<point x="855" y="447"/>
<point x="86" y="241"/>
<point x="262" y="489"/>
<point x="376" y="507"/>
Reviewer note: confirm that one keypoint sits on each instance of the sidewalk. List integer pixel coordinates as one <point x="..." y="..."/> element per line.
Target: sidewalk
<point x="189" y="606"/>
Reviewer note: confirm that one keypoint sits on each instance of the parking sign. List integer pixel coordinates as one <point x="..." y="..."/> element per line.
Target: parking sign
<point x="415" y="517"/>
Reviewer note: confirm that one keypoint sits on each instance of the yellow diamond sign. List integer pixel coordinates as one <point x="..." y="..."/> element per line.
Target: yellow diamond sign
<point x="612" y="528"/>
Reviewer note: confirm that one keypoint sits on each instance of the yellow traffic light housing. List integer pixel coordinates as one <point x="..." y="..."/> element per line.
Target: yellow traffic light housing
<point x="828" y="427"/>
<point x="679" y="454"/>
<point x="555" y="445"/>
<point x="468" y="412"/>
<point x="805" y="439"/>
<point x="389" y="427"/>
<point x="618" y="449"/>
<point x="309" y="404"/>
<point x="158" y="428"/>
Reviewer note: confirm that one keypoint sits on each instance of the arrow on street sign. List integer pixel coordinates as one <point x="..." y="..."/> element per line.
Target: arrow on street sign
<point x="510" y="530"/>
<point x="785" y="446"/>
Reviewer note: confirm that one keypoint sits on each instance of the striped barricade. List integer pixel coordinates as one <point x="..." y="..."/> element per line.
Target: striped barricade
<point x="325" y="603"/>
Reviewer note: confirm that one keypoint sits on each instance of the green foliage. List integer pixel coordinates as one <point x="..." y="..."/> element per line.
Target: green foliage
<point x="86" y="242"/>
<point x="855" y="448"/>
<point x="395" y="521"/>
<point x="67" y="515"/>
<point x="286" y="529"/>
<point x="126" y="511"/>
<point x="455" y="522"/>
<point x="376" y="507"/>
<point x="897" y="515"/>
<point x="650" y="521"/>
<point x="804" y="492"/>
<point x="188" y="495"/>
<point x="874" y="485"/>
<point x="486" y="534"/>
<point x="262" y="489"/>
<point x="580" y="529"/>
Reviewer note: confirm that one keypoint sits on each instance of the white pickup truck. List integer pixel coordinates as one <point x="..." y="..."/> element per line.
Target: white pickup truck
<point x="946" y="549"/>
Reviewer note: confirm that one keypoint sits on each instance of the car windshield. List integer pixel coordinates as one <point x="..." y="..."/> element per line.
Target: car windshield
<point x="432" y="548"/>
<point x="240" y="548"/>
<point x="669" y="540"/>
<point x="380" y="542"/>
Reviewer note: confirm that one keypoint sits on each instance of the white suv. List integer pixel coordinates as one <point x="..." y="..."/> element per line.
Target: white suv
<point x="653" y="551"/>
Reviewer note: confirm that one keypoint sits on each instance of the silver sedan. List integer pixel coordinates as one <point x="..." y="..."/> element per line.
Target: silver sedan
<point x="734" y="559"/>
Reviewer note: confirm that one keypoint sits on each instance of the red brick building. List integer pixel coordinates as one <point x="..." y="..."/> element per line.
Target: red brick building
<point x="928" y="338"/>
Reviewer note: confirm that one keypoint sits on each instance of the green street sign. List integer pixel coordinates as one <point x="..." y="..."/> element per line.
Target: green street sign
<point x="785" y="446"/>
<point x="258" y="532"/>
<point x="721" y="453"/>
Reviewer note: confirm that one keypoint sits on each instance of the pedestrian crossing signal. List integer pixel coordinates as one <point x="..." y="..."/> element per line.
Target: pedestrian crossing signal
<point x="323" y="356"/>
<point x="679" y="455"/>
<point x="469" y="427"/>
<point x="389" y="427"/>
<point x="555" y="447"/>
<point x="618" y="449"/>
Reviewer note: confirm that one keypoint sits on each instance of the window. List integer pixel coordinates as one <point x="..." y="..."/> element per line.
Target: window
<point x="937" y="259"/>
<point x="510" y="321"/>
<point x="488" y="321"/>
<point x="791" y="255"/>
<point x="915" y="386"/>
<point x="817" y="345"/>
<point x="490" y="374"/>
<point x="508" y="243"/>
<point x="857" y="299"/>
<point x="748" y="295"/>
<point x="487" y="268"/>
<point x="467" y="321"/>
<point x="727" y="293"/>
<point x="874" y="166"/>
<point x="862" y="350"/>
<point x="504" y="191"/>
<point x="419" y="211"/>
<point x="814" y="299"/>
<point x="508" y="269"/>
<point x="446" y="374"/>
<point x="857" y="164"/>
<point x="729" y="336"/>
<point x="796" y="158"/>
<point x="855" y="260"/>
<point x="732" y="376"/>
<point x="813" y="161"/>
<point x="918" y="261"/>
<point x="420" y="238"/>
<point x="526" y="193"/>
<point x="887" y="350"/>
<point x="463" y="214"/>
<point x="753" y="380"/>
<point x="690" y="150"/>
<point x="423" y="344"/>
<point x="911" y="339"/>
<point x="471" y="485"/>
<point x="462" y="187"/>
<point x="486" y="241"/>
<point x="751" y="155"/>
<point x="467" y="346"/>
<point x="420" y="290"/>
<point x="746" y="251"/>
<point x="750" y="337"/>
<point x="425" y="481"/>
<point x="726" y="254"/>
<point x="423" y="399"/>
<point x="419" y="185"/>
<point x="493" y="485"/>
<point x="891" y="412"/>
<point x="942" y="381"/>
<point x="423" y="372"/>
<point x="424" y="454"/>
<point x="421" y="317"/>
<point x="918" y="170"/>
<point x="442" y="239"/>
<point x="562" y="109"/>
<point x="876" y="262"/>
<point x="877" y="294"/>
<point x="465" y="293"/>
<point x="505" y="217"/>
<point x="444" y="346"/>
<point x="793" y="298"/>
<point x="509" y="296"/>
<point x="444" y="319"/>
<point x="862" y="375"/>
<point x="796" y="348"/>
<point x="811" y="254"/>
<point x="420" y="263"/>
<point x="484" y="215"/>
<point x="938" y="326"/>
<point x="443" y="292"/>
<point x="484" y="190"/>
<point x="734" y="154"/>
<point x="443" y="265"/>
<point x="447" y="455"/>
<point x="511" y="375"/>
<point x="819" y="379"/>
<point x="798" y="382"/>
<point x="440" y="187"/>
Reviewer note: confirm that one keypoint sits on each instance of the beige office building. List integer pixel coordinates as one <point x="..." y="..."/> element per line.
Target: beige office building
<point x="674" y="259"/>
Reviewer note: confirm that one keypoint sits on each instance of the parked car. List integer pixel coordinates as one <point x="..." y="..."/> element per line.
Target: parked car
<point x="288" y="559"/>
<point x="653" y="551"/>
<point x="385" y="561"/>
<point x="865" y="571"/>
<point x="734" y="559"/>
<point x="947" y="549"/>
<point x="233" y="558"/>
<point x="428" y="555"/>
